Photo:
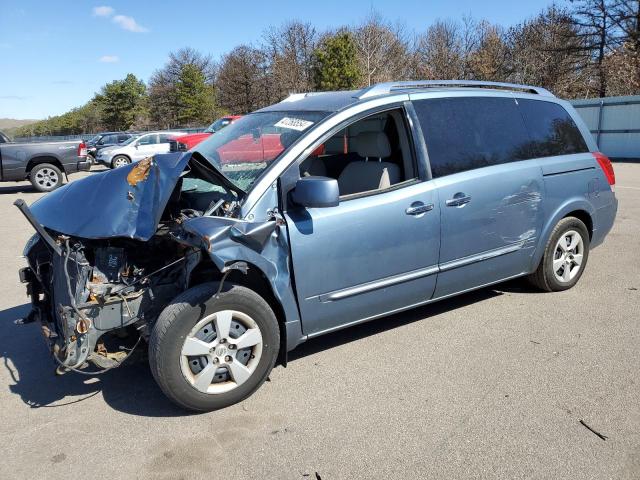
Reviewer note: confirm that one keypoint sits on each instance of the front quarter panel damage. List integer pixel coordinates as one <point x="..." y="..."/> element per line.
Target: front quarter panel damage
<point x="262" y="245"/>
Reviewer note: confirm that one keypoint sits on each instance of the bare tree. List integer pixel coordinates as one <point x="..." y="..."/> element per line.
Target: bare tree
<point x="623" y="65"/>
<point x="489" y="60"/>
<point x="438" y="52"/>
<point x="595" y="28"/>
<point x="243" y="83"/>
<point x="189" y="56"/>
<point x="542" y="52"/>
<point x="382" y="50"/>
<point x="289" y="49"/>
<point x="625" y="14"/>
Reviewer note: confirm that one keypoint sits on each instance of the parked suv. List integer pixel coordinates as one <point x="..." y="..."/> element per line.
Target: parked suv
<point x="370" y="203"/>
<point x="104" y="140"/>
<point x="136" y="148"/>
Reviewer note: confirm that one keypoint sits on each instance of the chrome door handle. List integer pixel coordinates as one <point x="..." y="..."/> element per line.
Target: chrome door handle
<point x="418" y="208"/>
<point x="458" y="200"/>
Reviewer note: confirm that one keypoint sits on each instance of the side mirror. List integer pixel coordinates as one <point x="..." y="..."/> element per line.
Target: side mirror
<point x="316" y="192"/>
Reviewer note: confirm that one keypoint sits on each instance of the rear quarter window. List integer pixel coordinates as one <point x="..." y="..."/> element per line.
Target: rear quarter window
<point x="551" y="128"/>
<point x="464" y="133"/>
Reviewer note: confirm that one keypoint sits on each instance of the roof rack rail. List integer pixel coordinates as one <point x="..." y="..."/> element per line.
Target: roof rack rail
<point x="293" y="97"/>
<point x="388" y="87"/>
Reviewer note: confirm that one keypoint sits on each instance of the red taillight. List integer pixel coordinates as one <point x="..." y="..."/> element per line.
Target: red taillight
<point x="82" y="149"/>
<point x="606" y="166"/>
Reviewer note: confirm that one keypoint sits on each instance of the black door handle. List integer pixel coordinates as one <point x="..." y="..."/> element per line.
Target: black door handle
<point x="418" y="208"/>
<point x="458" y="200"/>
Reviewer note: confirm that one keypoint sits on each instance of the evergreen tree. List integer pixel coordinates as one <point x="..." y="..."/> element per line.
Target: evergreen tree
<point x="194" y="97"/>
<point x="336" y="63"/>
<point x="122" y="102"/>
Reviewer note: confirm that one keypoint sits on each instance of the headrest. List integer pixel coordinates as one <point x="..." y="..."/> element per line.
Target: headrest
<point x="373" y="144"/>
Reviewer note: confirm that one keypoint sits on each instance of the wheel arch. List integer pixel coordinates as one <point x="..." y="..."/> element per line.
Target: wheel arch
<point x="44" y="159"/>
<point x="257" y="280"/>
<point x="575" y="207"/>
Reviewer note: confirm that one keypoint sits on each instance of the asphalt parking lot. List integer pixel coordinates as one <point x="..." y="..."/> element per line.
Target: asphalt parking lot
<point x="492" y="384"/>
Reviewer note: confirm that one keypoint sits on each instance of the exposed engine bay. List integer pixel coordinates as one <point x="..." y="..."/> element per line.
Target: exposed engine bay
<point x="98" y="297"/>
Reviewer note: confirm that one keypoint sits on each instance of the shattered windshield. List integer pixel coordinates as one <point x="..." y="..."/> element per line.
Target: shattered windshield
<point x="246" y="148"/>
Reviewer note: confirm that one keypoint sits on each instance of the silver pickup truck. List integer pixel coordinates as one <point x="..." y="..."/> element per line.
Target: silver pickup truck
<point x="43" y="164"/>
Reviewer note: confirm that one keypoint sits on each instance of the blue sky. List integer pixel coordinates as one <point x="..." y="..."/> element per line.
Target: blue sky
<point x="54" y="54"/>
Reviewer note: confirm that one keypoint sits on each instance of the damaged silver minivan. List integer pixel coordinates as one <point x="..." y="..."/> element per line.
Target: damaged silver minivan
<point x="319" y="212"/>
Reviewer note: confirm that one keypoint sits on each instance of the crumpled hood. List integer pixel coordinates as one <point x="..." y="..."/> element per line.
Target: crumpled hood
<point x="124" y="202"/>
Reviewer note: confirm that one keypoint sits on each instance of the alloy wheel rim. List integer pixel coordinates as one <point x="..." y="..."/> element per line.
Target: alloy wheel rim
<point x="568" y="256"/>
<point x="119" y="162"/>
<point x="46" y="177"/>
<point x="221" y="352"/>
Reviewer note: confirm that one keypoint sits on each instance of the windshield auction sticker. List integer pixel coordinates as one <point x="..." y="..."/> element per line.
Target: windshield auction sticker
<point x="294" y="124"/>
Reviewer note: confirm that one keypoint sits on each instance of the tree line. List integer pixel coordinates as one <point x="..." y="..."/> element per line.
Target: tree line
<point x="590" y="48"/>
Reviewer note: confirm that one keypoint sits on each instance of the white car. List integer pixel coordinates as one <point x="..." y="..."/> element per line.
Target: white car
<point x="136" y="148"/>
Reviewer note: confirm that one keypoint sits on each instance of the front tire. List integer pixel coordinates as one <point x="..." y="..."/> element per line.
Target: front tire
<point x="45" y="177"/>
<point x="208" y="353"/>
<point x="565" y="256"/>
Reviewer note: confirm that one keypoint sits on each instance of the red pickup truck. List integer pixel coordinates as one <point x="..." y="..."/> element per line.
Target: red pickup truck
<point x="187" y="142"/>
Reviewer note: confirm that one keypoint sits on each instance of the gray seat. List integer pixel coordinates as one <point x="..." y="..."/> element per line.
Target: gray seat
<point x="372" y="173"/>
<point x="313" y="167"/>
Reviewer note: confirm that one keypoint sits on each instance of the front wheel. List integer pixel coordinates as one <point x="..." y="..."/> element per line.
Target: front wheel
<point x="565" y="256"/>
<point x="207" y="353"/>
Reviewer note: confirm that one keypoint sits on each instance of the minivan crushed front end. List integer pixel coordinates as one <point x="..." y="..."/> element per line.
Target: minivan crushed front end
<point x="111" y="251"/>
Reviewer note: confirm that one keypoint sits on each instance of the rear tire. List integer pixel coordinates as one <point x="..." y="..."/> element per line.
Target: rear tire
<point x="120" y="161"/>
<point x="45" y="177"/>
<point x="565" y="257"/>
<point x="197" y="368"/>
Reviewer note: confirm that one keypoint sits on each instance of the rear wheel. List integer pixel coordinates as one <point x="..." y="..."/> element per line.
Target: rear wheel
<point x="208" y="353"/>
<point x="565" y="256"/>
<point x="45" y="177"/>
<point x="120" y="161"/>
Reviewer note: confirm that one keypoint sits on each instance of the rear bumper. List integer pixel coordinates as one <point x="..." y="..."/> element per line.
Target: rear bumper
<point x="84" y="165"/>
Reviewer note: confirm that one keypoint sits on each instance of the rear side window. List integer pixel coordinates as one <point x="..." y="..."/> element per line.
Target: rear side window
<point x="551" y="128"/>
<point x="471" y="132"/>
<point x="148" y="140"/>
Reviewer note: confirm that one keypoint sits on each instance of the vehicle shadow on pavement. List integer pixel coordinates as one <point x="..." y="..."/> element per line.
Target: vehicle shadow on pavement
<point x="18" y="189"/>
<point x="131" y="388"/>
<point x="25" y="356"/>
